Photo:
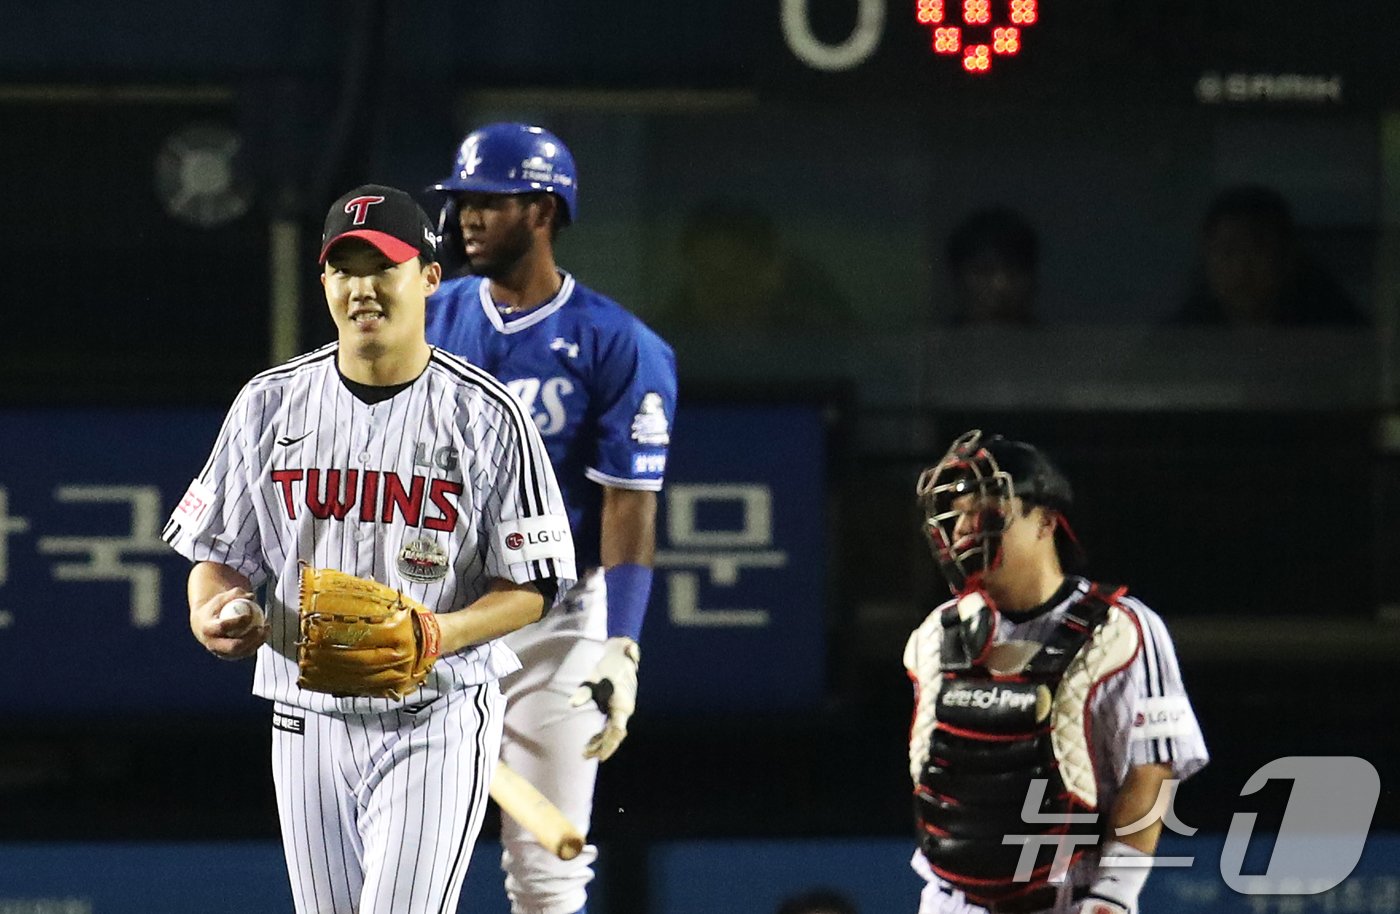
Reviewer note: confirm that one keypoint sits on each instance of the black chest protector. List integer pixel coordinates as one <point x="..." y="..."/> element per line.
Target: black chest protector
<point x="991" y="741"/>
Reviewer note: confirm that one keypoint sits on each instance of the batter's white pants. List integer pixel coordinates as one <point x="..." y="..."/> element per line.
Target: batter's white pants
<point x="379" y="812"/>
<point x="543" y="742"/>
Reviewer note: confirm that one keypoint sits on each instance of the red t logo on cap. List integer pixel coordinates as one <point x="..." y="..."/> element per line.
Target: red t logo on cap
<point x="360" y="206"/>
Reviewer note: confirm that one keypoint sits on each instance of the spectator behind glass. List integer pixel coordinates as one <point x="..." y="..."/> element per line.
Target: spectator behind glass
<point x="993" y="258"/>
<point x="817" y="901"/>
<point x="736" y="273"/>
<point x="1254" y="272"/>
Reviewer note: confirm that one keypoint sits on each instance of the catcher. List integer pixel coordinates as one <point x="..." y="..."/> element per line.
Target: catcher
<point x="397" y="505"/>
<point x="1049" y="709"/>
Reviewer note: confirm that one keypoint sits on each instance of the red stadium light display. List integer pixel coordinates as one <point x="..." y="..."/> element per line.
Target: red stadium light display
<point x="1006" y="41"/>
<point x="979" y="30"/>
<point x="977" y="12"/>
<point x="977" y="58"/>
<point x="930" y="12"/>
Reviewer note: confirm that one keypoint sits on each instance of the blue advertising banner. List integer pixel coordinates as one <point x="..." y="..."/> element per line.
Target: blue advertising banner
<point x="92" y="601"/>
<point x="737" y="618"/>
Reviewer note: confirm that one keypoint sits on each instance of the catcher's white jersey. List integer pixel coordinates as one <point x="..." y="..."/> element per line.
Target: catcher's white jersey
<point x="433" y="491"/>
<point x="1140" y="715"/>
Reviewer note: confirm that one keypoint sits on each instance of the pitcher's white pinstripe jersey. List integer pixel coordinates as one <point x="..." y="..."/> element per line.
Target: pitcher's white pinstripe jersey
<point x="433" y="491"/>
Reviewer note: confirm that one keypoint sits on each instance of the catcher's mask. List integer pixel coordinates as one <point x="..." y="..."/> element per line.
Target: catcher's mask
<point x="996" y="470"/>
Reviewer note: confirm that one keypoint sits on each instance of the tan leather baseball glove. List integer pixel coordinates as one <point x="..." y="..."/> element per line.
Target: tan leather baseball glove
<point x="359" y="637"/>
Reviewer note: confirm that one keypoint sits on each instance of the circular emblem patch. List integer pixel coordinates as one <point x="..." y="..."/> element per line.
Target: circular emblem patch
<point x="423" y="560"/>
<point x="514" y="541"/>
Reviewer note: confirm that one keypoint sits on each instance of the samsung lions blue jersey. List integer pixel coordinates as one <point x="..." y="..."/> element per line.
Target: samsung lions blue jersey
<point x="600" y="384"/>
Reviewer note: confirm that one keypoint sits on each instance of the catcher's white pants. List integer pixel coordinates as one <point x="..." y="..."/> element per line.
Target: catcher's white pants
<point x="543" y="742"/>
<point x="379" y="812"/>
<point x="940" y="898"/>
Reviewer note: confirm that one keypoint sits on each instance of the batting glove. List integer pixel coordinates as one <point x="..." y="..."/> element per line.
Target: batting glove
<point x="613" y="687"/>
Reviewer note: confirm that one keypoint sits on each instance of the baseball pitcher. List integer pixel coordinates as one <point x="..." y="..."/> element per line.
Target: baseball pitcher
<point x="398" y="509"/>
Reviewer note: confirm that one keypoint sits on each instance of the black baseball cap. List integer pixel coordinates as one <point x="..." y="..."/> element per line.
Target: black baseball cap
<point x="386" y="217"/>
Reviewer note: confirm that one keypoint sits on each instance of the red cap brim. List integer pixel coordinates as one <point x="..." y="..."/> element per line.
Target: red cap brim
<point x="391" y="247"/>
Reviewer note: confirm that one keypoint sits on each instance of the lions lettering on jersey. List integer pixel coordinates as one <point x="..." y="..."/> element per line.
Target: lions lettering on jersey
<point x="599" y="384"/>
<point x="545" y="399"/>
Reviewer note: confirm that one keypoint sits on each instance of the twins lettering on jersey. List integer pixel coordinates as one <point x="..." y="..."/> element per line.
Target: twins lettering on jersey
<point x="382" y="495"/>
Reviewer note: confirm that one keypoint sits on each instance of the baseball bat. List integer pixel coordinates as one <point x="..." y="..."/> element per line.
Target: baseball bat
<point x="519" y="799"/>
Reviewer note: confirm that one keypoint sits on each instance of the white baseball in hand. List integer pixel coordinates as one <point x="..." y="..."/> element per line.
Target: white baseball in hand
<point x="237" y="609"/>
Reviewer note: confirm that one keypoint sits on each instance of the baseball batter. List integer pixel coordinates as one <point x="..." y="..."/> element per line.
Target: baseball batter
<point x="1048" y="708"/>
<point x="601" y="386"/>
<point x="392" y="462"/>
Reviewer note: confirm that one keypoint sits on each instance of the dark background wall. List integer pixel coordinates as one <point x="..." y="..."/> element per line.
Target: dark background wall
<point x="1243" y="481"/>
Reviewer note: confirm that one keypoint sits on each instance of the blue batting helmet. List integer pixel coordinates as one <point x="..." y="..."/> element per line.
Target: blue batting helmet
<point x="512" y="158"/>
